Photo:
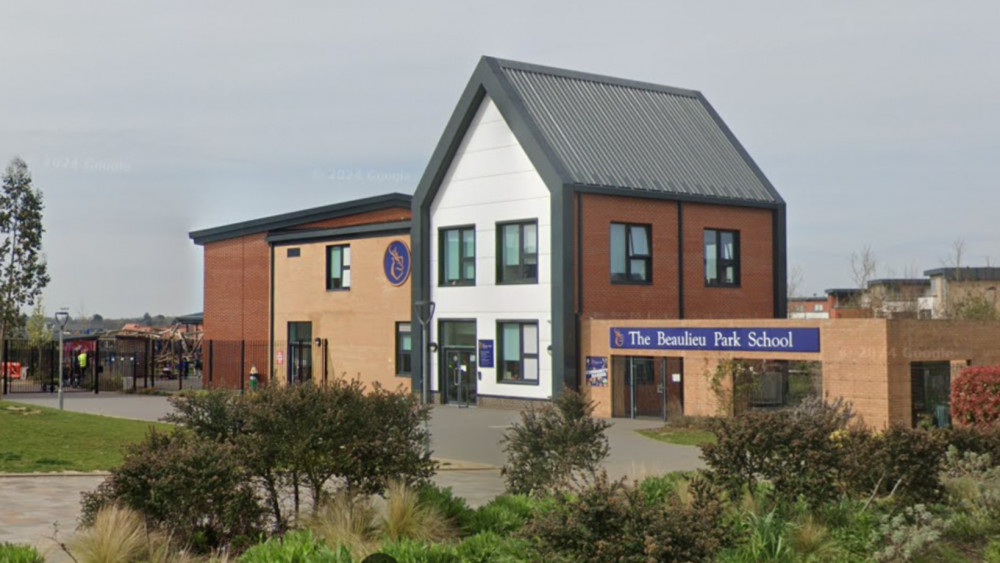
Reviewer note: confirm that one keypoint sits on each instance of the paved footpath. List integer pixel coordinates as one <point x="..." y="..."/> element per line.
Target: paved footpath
<point x="467" y="442"/>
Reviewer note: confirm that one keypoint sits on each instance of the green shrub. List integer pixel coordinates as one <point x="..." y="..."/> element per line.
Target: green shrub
<point x="490" y="547"/>
<point x="295" y="547"/>
<point x="504" y="514"/>
<point x="907" y="534"/>
<point x="418" y="552"/>
<point x="978" y="440"/>
<point x="793" y="449"/>
<point x="765" y="540"/>
<point x="453" y="508"/>
<point x="659" y="489"/>
<point x="612" y="521"/>
<point x="19" y="553"/>
<point x="217" y="415"/>
<point x="193" y="489"/>
<point x="992" y="553"/>
<point x="852" y="525"/>
<point x="903" y="462"/>
<point x="314" y="436"/>
<point x="555" y="446"/>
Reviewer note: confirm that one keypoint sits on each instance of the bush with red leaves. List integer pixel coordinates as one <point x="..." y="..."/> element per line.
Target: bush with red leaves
<point x="975" y="397"/>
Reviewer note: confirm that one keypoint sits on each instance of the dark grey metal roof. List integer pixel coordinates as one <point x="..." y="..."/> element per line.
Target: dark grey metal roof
<point x="899" y="281"/>
<point x="613" y="133"/>
<point x="286" y="220"/>
<point x="966" y="274"/>
<point x="356" y="231"/>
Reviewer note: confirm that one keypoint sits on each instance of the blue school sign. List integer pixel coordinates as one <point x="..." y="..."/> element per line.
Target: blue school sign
<point x="770" y="339"/>
<point x="396" y="262"/>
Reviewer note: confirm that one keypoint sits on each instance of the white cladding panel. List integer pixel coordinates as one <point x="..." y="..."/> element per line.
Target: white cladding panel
<point x="490" y="181"/>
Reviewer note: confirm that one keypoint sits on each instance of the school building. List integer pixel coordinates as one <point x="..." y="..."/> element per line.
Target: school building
<point x="561" y="215"/>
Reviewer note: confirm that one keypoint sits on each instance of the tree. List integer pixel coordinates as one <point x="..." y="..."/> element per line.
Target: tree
<point x="39" y="333"/>
<point x="23" y="273"/>
<point x="863" y="269"/>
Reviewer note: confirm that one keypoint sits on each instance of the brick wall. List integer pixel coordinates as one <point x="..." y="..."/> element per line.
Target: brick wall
<point x="237" y="275"/>
<point x="237" y="278"/>
<point x="865" y="361"/>
<point x="754" y="298"/>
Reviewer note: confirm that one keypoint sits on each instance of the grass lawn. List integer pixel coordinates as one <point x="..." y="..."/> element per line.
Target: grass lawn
<point x="682" y="436"/>
<point x="39" y="439"/>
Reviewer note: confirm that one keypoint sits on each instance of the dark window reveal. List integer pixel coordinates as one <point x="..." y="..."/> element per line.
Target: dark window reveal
<point x="458" y="256"/>
<point x="722" y="258"/>
<point x="631" y="253"/>
<point x="517" y="252"/>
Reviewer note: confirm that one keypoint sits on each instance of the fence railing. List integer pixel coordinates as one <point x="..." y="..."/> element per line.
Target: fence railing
<point x="127" y="365"/>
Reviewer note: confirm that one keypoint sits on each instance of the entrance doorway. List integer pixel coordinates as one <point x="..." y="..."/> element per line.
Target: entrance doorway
<point x="299" y="352"/>
<point x="459" y="374"/>
<point x="931" y="393"/>
<point x="643" y="386"/>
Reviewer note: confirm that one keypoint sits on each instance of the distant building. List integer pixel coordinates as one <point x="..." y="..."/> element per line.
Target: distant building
<point x="808" y="308"/>
<point x="952" y="291"/>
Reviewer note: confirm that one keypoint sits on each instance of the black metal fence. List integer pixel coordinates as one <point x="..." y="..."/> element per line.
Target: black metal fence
<point x="228" y="364"/>
<point x="123" y="365"/>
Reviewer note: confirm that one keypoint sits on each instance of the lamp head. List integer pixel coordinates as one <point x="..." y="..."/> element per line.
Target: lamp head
<point x="62" y="317"/>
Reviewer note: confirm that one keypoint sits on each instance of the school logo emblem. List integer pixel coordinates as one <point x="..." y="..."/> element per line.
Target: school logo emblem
<point x="396" y="262"/>
<point x="618" y="338"/>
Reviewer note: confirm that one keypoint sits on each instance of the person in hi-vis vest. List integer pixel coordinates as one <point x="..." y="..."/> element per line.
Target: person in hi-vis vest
<point x="81" y="362"/>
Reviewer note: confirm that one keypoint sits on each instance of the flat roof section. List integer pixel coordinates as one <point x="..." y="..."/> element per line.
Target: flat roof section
<point x="285" y="220"/>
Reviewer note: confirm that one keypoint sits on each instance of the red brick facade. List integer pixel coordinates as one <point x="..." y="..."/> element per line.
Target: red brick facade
<point x="237" y="278"/>
<point x="753" y="298"/>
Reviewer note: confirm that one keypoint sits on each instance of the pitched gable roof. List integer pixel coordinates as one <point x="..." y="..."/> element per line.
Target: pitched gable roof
<point x="603" y="133"/>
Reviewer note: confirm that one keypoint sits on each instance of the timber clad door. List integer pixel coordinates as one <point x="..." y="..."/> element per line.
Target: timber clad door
<point x="646" y="387"/>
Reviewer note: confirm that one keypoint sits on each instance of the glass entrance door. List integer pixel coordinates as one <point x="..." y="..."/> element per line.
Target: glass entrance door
<point x="299" y="352"/>
<point x="460" y="375"/>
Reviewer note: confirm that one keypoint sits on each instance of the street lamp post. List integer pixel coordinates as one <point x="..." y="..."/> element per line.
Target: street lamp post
<point x="61" y="318"/>
<point x="425" y="312"/>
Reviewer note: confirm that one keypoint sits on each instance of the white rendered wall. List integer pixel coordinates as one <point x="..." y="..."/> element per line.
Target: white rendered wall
<point x="492" y="180"/>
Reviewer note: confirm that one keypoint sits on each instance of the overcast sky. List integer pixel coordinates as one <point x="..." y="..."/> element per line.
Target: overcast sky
<point x="141" y="121"/>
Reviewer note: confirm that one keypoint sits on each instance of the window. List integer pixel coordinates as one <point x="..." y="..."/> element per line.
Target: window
<point x="518" y="360"/>
<point x="517" y="252"/>
<point x="458" y="256"/>
<point x="631" y="255"/>
<point x="338" y="267"/>
<point x="294" y="252"/>
<point x="404" y="345"/>
<point x="722" y="258"/>
<point x="818" y="307"/>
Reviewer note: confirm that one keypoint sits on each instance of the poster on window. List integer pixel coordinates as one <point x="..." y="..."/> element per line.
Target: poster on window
<point x="597" y="371"/>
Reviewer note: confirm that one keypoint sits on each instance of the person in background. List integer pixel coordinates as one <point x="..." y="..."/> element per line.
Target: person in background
<point x="81" y="361"/>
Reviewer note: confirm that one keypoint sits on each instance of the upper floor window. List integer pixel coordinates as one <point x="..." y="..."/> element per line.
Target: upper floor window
<point x="458" y="256"/>
<point x="722" y="257"/>
<point x="338" y="267"/>
<point x="518" y="352"/>
<point x="631" y="253"/>
<point x="517" y="254"/>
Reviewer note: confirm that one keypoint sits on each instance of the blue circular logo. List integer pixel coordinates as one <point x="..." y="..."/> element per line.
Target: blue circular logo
<point x="396" y="262"/>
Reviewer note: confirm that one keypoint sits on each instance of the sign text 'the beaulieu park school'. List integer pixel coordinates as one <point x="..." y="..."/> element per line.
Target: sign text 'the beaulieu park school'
<point x="721" y="339"/>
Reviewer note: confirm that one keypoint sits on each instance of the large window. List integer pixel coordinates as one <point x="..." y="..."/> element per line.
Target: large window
<point x="458" y="256"/>
<point x="518" y="360"/>
<point x="722" y="257"/>
<point x="631" y="254"/>
<point x="338" y="267"/>
<point x="517" y="252"/>
<point x="404" y="345"/>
